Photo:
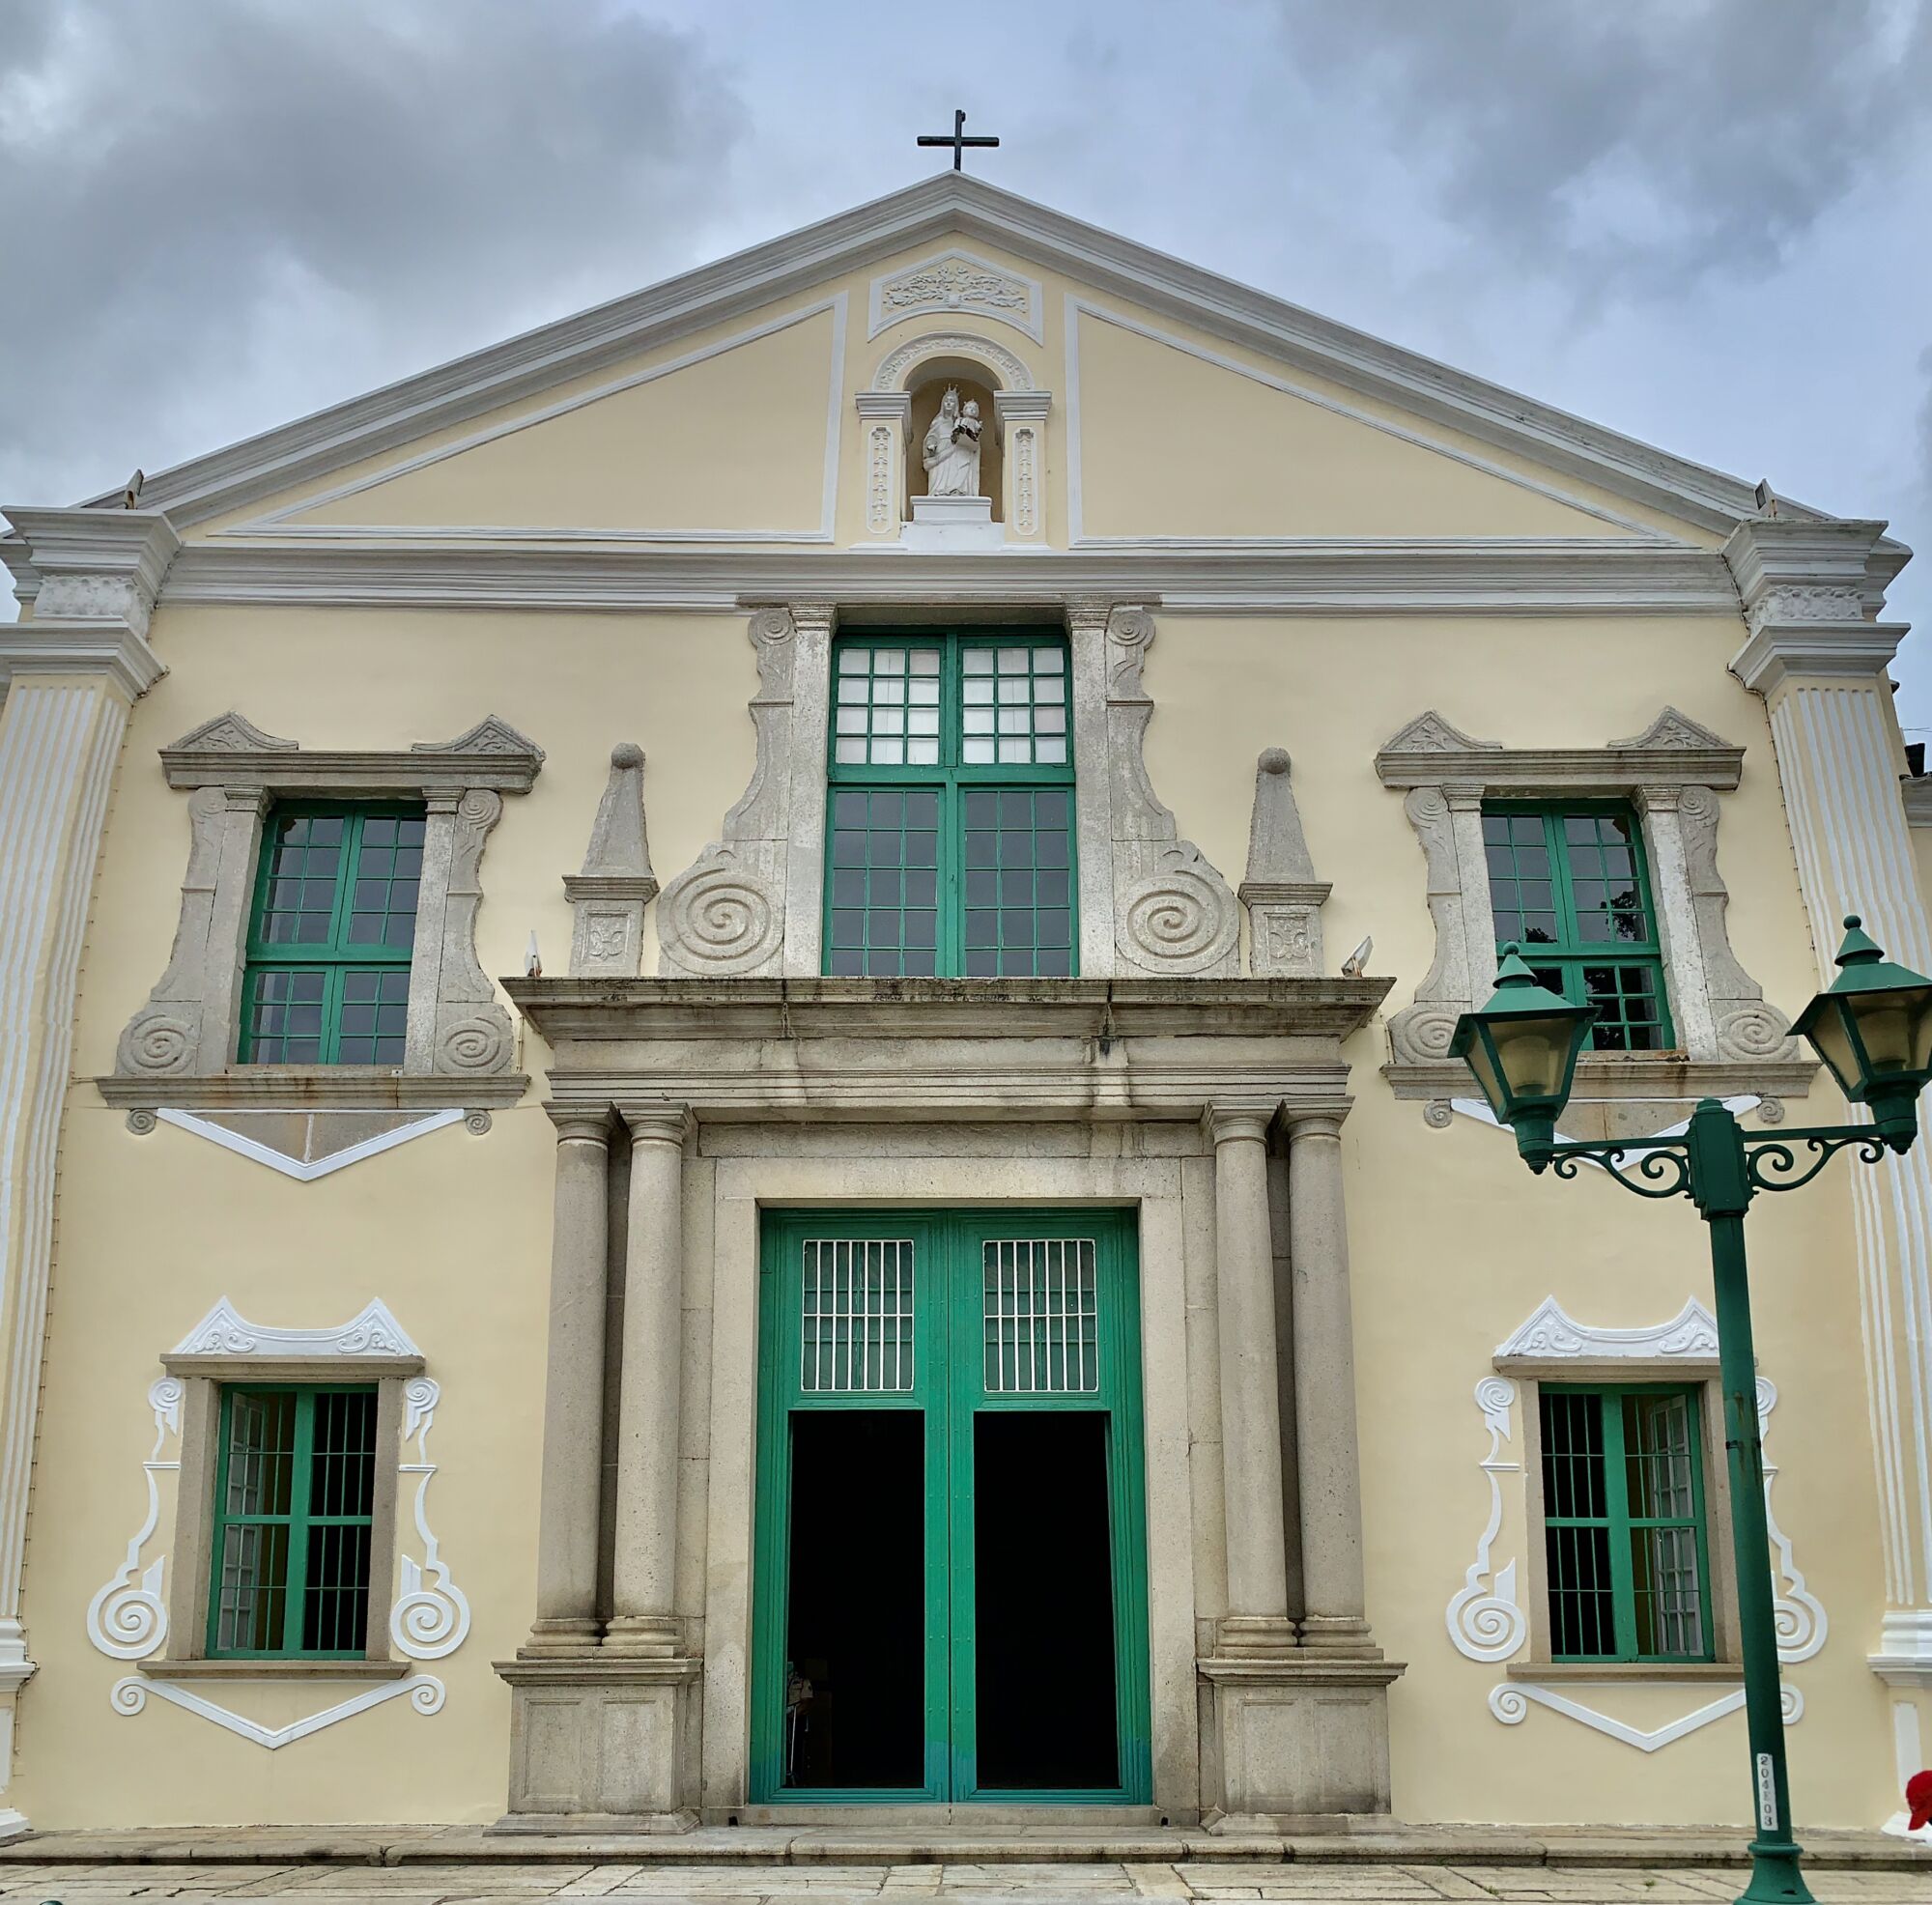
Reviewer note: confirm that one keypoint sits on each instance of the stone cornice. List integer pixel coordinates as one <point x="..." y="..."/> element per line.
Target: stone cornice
<point x="1674" y="750"/>
<point x="231" y="751"/>
<point x="312" y="1088"/>
<point x="1485" y="576"/>
<point x="1618" y="1075"/>
<point x="948" y="1049"/>
<point x="1917" y="793"/>
<point x="946" y="209"/>
<point x="1811" y="594"/>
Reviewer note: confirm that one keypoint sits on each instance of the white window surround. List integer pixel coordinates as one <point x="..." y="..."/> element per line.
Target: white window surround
<point x="146" y="1606"/>
<point x="1489" y="1620"/>
<point x="751" y="905"/>
<point x="1729" y="1039"/>
<point x="179" y="1047"/>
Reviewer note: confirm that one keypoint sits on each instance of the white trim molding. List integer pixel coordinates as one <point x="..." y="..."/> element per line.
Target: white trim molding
<point x="1078" y="307"/>
<point x="1510" y="1702"/>
<point x="1549" y="1332"/>
<point x="282" y="522"/>
<point x="129" y="1696"/>
<point x="1487" y="1623"/>
<point x="1672" y="773"/>
<point x="372" y="1332"/>
<point x="306" y="1170"/>
<point x="956" y="280"/>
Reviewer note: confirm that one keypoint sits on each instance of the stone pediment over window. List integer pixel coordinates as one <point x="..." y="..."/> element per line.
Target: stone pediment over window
<point x="181" y="1049"/>
<point x="1726" y="1038"/>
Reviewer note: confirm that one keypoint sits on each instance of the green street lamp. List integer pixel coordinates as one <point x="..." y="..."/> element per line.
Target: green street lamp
<point x="1873" y="1027"/>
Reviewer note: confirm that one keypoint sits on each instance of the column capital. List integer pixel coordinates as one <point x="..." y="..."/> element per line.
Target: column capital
<point x="1305" y="1125"/>
<point x="1229" y="1123"/>
<point x="93" y="577"/>
<point x="893" y="405"/>
<point x="1811" y="593"/>
<point x="584" y="1124"/>
<point x="1021" y="406"/>
<point x="657" y="1125"/>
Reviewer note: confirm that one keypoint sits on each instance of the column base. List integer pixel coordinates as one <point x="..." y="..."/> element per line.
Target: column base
<point x="1254" y="1637"/>
<point x="1339" y="1636"/>
<point x="1287" y="1738"/>
<point x="602" y="1745"/>
<point x="548" y="1639"/>
<point x="644" y="1638"/>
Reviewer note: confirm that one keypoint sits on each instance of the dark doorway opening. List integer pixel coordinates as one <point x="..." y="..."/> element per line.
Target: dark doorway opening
<point x="1047" y="1718"/>
<point x="854" y="1692"/>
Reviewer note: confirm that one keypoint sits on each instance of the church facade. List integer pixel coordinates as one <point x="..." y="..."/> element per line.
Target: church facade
<point x="727" y="1091"/>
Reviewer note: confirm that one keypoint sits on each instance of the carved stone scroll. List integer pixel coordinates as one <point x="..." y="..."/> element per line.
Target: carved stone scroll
<point x="1281" y="893"/>
<point x="1462" y="967"/>
<point x="608" y="897"/>
<point x="727" y="915"/>
<point x="1174" y="916"/>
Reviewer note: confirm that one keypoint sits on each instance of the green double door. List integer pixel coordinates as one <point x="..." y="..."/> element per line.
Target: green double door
<point x="950" y="1595"/>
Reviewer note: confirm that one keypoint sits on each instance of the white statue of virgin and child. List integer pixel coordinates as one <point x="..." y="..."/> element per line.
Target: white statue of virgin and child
<point x="951" y="450"/>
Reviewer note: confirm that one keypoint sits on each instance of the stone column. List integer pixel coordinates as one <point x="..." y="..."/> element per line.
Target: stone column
<point x="73" y="672"/>
<point x="1335" y="1615"/>
<point x="1257" y="1623"/>
<point x="643" y="1619"/>
<point x="572" y="1449"/>
<point x="1818" y="655"/>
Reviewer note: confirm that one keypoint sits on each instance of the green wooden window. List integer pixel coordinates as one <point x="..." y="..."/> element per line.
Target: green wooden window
<point x="293" y="1495"/>
<point x="949" y="848"/>
<point x="335" y="922"/>
<point x="1625" y="1544"/>
<point x="1569" y="884"/>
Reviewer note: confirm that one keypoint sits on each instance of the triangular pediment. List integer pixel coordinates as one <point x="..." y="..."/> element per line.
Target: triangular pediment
<point x="1430" y="734"/>
<point x="655" y="414"/>
<point x="1674" y="729"/>
<point x="231" y="733"/>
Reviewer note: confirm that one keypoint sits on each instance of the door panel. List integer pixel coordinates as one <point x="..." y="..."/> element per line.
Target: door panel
<point x="949" y="1599"/>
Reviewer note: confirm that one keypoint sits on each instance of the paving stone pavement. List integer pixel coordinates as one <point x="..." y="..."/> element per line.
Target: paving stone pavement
<point x="501" y="1883"/>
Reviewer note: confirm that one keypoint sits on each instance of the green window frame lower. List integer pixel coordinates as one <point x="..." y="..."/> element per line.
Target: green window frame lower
<point x="948" y="867"/>
<point x="1551" y="870"/>
<point x="340" y="995"/>
<point x="291" y="1567"/>
<point x="1626" y="1541"/>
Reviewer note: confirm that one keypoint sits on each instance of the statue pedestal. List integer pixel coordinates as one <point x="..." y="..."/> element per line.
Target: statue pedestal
<point x="951" y="522"/>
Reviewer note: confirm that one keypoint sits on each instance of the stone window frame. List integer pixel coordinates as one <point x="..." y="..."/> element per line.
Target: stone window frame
<point x="203" y="1376"/>
<point x="1729" y="1039"/>
<point x="751" y="906"/>
<point x="461" y="1043"/>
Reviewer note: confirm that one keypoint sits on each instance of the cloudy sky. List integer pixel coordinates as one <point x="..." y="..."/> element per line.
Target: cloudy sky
<point x="1704" y="222"/>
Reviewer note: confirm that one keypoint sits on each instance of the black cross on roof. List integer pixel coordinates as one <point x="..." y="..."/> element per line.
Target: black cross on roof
<point x="956" y="139"/>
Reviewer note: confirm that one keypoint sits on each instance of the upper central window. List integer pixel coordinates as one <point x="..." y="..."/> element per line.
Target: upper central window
<point x="950" y="836"/>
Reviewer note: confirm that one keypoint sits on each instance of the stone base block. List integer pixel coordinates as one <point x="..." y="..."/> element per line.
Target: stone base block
<point x="1286" y="1740"/>
<point x="951" y="522"/>
<point x="600" y="1745"/>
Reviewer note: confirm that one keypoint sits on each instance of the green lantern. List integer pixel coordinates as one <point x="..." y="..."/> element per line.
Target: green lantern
<point x="1874" y="1029"/>
<point x="1523" y="1047"/>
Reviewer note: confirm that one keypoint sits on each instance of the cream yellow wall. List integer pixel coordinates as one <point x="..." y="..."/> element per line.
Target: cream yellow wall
<point x="1453" y="1244"/>
<point x="735" y="441"/>
<point x="452" y="1232"/>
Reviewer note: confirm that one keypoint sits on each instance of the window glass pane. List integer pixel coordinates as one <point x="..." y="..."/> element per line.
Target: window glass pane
<point x="284" y="1015"/>
<point x="1610" y="903"/>
<point x="1019" y="695"/>
<point x="1017" y="848"/>
<point x="1661" y="1486"/>
<point x="1041" y="1317"/>
<point x="886" y="692"/>
<point x="1629" y="1007"/>
<point x="885" y="916"/>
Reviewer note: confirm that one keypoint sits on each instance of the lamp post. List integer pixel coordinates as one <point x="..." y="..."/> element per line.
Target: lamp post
<point x="1873" y="1027"/>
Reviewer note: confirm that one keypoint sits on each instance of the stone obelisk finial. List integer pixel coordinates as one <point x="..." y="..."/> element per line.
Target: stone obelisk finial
<point x="1281" y="893"/>
<point x="608" y="897"/>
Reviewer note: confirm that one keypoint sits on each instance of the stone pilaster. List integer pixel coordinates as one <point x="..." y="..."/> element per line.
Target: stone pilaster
<point x="1817" y="654"/>
<point x="1257" y="1623"/>
<point x="883" y="417"/>
<point x="573" y="1455"/>
<point x="1021" y="415"/>
<point x="643" y="1620"/>
<point x="73" y="671"/>
<point x="1333" y="1596"/>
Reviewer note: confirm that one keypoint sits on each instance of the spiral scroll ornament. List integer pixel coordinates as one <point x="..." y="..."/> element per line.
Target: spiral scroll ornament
<point x="160" y="1040"/>
<point x="1178" y="920"/>
<point x="473" y="1044"/>
<point x="1754" y="1032"/>
<point x="1508" y="1705"/>
<point x="717" y="921"/>
<point x="1421" y="1033"/>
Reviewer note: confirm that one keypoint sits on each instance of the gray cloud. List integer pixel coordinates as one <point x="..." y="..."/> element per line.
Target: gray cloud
<point x="227" y="213"/>
<point x="1633" y="147"/>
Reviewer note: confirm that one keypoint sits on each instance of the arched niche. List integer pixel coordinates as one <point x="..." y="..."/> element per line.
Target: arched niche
<point x="900" y="403"/>
<point x="933" y="378"/>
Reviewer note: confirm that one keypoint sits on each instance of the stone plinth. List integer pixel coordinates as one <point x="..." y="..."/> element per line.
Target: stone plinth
<point x="601" y="1745"/>
<point x="951" y="522"/>
<point x="1294" y="1738"/>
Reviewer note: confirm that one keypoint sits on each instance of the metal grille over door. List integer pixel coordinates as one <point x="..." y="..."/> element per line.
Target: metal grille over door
<point x="1042" y="1316"/>
<point x="857" y="1315"/>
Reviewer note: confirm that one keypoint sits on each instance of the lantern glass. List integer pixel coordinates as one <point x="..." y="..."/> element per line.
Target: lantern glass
<point x="1523" y="1045"/>
<point x="1874" y="1026"/>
